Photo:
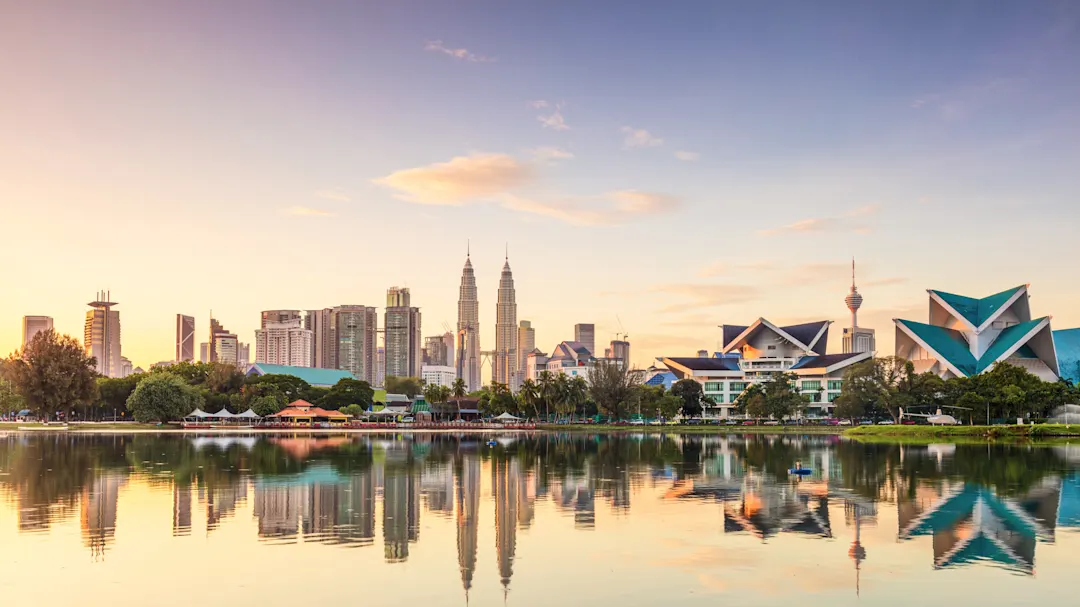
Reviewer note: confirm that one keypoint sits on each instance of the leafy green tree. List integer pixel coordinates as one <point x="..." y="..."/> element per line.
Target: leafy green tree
<point x="757" y="406"/>
<point x="613" y="387"/>
<point x="548" y="387"/>
<point x="781" y="398"/>
<point x="409" y="386"/>
<point x="529" y="395"/>
<point x="348" y="391"/>
<point x="290" y="387"/>
<point x="500" y="400"/>
<point x="114" y="392"/>
<point x="437" y="396"/>
<point x="192" y="372"/>
<point x="10" y="400"/>
<point x="225" y="379"/>
<point x="353" y="410"/>
<point x="577" y="395"/>
<point x="268" y="403"/>
<point x="692" y="396"/>
<point x="52" y="373"/>
<point x="161" y="397"/>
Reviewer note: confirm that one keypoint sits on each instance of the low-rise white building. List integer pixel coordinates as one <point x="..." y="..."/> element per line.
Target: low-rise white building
<point x="751" y="354"/>
<point x="438" y="375"/>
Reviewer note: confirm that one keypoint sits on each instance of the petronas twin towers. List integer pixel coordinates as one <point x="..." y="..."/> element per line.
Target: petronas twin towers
<point x="504" y="359"/>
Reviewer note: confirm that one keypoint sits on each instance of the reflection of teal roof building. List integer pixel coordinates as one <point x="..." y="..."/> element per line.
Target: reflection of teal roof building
<point x="967" y="336"/>
<point x="973" y="525"/>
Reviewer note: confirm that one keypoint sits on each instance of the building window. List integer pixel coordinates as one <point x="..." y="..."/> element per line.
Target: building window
<point x="836" y="384"/>
<point x="732" y="397"/>
<point x="714" y="386"/>
<point x="811" y="385"/>
<point x="833" y="396"/>
<point x="815" y="397"/>
<point x="737" y="386"/>
<point x="771" y="347"/>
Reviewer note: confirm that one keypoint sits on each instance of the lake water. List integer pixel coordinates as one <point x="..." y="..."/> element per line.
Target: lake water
<point x="534" y="520"/>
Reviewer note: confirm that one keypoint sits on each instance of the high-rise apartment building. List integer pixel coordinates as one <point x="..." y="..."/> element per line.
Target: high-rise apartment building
<point x="526" y="343"/>
<point x="504" y="365"/>
<point x="243" y="355"/>
<point x="32" y="325"/>
<point x="324" y="338"/>
<point x="439" y="350"/>
<point x="224" y="346"/>
<point x="284" y="343"/>
<point x="468" y="325"/>
<point x="185" y="338"/>
<point x="438" y="375"/>
<point x="269" y="316"/>
<point x="585" y="334"/>
<point x="204" y="352"/>
<point x="101" y="335"/>
<point x="620" y="352"/>
<point x="356" y="328"/>
<point x="401" y="334"/>
<point x="380" y="367"/>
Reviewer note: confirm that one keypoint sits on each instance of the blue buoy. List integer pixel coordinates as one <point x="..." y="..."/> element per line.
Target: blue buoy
<point x="491" y="443"/>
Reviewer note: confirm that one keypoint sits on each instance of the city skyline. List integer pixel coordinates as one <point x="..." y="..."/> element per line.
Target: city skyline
<point x="749" y="154"/>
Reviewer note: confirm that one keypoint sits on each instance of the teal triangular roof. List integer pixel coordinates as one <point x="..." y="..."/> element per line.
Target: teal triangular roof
<point x="1005" y="340"/>
<point x="981" y="548"/>
<point x="977" y="311"/>
<point x="946" y="514"/>
<point x="949" y="344"/>
<point x="313" y="376"/>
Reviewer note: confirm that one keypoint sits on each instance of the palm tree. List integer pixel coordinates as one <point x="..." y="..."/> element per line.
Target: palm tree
<point x="459" y="391"/>
<point x="529" y="393"/>
<point x="563" y="388"/>
<point x="548" y="391"/>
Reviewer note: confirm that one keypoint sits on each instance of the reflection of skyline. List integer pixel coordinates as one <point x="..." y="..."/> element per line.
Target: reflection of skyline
<point x="335" y="492"/>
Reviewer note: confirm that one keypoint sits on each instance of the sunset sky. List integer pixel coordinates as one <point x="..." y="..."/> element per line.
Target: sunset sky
<point x="673" y="166"/>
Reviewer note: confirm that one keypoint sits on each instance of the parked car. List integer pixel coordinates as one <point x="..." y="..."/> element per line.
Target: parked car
<point x="732" y="422"/>
<point x="844" y="422"/>
<point x="637" y="422"/>
<point x="771" y="422"/>
<point x="748" y="422"/>
<point x="886" y="422"/>
<point x="908" y="422"/>
<point x="866" y="422"/>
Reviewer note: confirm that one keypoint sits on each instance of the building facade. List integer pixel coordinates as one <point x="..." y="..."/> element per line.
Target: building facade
<point x="468" y="325"/>
<point x="504" y="363"/>
<point x="526" y="343"/>
<point x="401" y="334"/>
<point x="101" y="335"/>
<point x="356" y="328"/>
<point x="585" y="334"/>
<point x="185" y="338"/>
<point x="438" y="375"/>
<point x="32" y="325"/>
<point x="752" y="354"/>
<point x="568" y="358"/>
<point x="277" y="316"/>
<point x="619" y="351"/>
<point x="439" y="350"/>
<point x="323" y="337"/>
<point x="284" y="343"/>
<point x="966" y="336"/>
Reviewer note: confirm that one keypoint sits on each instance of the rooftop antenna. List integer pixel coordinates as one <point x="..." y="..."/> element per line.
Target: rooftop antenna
<point x="468" y="247"/>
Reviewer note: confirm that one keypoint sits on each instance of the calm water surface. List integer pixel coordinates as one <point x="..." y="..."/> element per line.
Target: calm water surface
<point x="534" y="520"/>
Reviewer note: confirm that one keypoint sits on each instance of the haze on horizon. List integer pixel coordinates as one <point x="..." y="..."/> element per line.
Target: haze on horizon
<point x="671" y="166"/>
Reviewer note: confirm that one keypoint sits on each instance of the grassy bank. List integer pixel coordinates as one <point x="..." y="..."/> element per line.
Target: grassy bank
<point x="703" y="429"/>
<point x="948" y="432"/>
<point x="88" y="427"/>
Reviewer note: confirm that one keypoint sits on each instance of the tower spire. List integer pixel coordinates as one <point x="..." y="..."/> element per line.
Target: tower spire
<point x="468" y="247"/>
<point x="852" y="273"/>
<point x="854" y="300"/>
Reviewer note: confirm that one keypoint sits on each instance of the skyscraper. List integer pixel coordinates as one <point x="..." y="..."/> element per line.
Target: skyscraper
<point x="101" y="335"/>
<point x="620" y="352"/>
<point x="401" y="334"/>
<point x="380" y="367"/>
<point x="268" y="316"/>
<point x="32" y="325"/>
<point x="585" y="334"/>
<point x="856" y="338"/>
<point x="204" y="352"/>
<point x="284" y="343"/>
<point x="185" y="338"/>
<point x="440" y="350"/>
<point x="356" y="327"/>
<point x="504" y="366"/>
<point x="526" y="342"/>
<point x="324" y="338"/>
<point x="468" y="325"/>
<point x="224" y="347"/>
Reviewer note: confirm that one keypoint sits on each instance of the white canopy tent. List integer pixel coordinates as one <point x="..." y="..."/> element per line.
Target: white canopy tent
<point x="506" y="417"/>
<point x="199" y="414"/>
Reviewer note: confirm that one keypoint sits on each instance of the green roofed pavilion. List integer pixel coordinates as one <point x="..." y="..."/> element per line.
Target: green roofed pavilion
<point x="316" y="377"/>
<point x="978" y="311"/>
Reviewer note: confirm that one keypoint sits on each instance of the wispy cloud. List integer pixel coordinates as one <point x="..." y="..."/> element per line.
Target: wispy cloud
<point x="333" y="194"/>
<point x="693" y="296"/>
<point x="555" y="120"/>
<point x="611" y="208"/>
<point x="813" y="225"/>
<point x="639" y="138"/>
<point x="462" y="180"/>
<point x="457" y="53"/>
<point x="687" y="156"/>
<point x="550" y="154"/>
<point x="308" y="212"/>
<point x="496" y="179"/>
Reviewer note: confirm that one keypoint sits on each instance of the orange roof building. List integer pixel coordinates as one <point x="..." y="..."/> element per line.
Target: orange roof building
<point x="303" y="412"/>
